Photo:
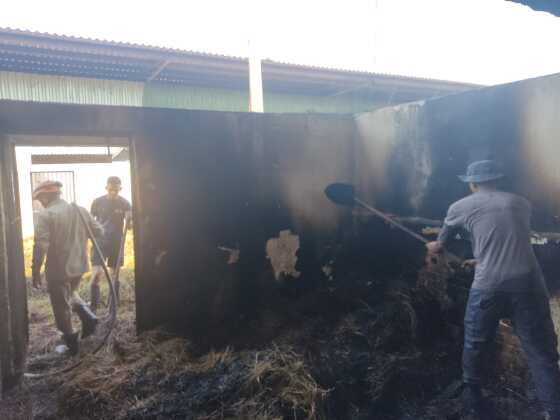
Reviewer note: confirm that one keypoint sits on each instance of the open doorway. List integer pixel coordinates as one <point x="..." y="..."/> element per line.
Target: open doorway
<point x="83" y="172"/>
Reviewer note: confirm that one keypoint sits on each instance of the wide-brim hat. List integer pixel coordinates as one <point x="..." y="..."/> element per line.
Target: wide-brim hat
<point x="482" y="171"/>
<point x="47" y="187"/>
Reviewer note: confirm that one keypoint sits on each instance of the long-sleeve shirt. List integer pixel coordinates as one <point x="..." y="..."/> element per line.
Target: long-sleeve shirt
<point x="499" y="225"/>
<point x="62" y="237"/>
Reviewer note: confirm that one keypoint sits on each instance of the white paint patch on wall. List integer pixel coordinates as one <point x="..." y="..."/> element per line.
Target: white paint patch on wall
<point x="281" y="252"/>
<point x="89" y="178"/>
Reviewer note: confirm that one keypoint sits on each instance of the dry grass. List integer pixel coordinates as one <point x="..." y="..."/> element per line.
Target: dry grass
<point x="133" y="374"/>
<point x="136" y="377"/>
<point x="282" y="373"/>
<point x="366" y="358"/>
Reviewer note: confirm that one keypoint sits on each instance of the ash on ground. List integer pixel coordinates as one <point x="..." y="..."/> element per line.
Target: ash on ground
<point x="357" y="349"/>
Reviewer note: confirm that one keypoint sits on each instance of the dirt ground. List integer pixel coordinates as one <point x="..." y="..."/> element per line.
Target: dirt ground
<point x="365" y="352"/>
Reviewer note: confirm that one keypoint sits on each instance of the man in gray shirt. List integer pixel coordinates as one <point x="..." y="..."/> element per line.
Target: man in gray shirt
<point x="508" y="283"/>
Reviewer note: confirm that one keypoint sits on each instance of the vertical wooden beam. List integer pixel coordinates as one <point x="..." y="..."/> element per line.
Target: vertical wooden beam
<point x="13" y="294"/>
<point x="6" y="337"/>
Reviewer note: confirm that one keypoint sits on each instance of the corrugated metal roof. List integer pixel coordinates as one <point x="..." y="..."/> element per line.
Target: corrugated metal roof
<point x="57" y="159"/>
<point x="36" y="52"/>
<point x="108" y="43"/>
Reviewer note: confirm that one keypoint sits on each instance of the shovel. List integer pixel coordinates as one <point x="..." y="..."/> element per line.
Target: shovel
<point x="343" y="194"/>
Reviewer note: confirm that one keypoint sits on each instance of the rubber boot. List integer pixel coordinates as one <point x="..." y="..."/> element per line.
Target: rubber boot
<point x="87" y="317"/>
<point x="95" y="293"/>
<point x="72" y="341"/>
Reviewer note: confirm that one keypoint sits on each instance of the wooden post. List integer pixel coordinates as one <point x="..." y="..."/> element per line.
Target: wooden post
<point x="6" y="341"/>
<point x="13" y="296"/>
<point x="256" y="97"/>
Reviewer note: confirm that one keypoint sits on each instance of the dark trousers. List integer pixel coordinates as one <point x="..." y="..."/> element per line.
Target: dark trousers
<point x="62" y="291"/>
<point x="530" y="316"/>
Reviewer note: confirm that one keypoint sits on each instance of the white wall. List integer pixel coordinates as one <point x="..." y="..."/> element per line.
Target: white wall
<point x="89" y="178"/>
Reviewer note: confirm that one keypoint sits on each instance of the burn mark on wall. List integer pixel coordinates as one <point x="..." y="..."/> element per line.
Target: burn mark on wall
<point x="281" y="252"/>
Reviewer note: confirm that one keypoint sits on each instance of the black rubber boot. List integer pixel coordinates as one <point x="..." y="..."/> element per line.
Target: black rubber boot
<point x="95" y="293"/>
<point x="72" y="341"/>
<point x="88" y="319"/>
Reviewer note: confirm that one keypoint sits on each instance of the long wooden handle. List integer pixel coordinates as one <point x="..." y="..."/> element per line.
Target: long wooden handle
<point x="391" y="221"/>
<point x="380" y="214"/>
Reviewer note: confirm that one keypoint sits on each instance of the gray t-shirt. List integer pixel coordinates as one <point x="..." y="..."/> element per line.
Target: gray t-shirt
<point x="499" y="225"/>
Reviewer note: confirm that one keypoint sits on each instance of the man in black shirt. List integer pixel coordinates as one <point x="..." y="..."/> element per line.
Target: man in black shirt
<point x="111" y="211"/>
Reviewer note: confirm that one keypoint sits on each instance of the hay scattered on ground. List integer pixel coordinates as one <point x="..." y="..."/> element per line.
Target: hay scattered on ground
<point x="362" y="352"/>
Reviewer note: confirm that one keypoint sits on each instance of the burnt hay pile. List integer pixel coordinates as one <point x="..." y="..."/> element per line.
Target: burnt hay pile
<point x="388" y="353"/>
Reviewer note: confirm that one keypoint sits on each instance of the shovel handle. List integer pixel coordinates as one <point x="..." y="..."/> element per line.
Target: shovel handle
<point x="450" y="256"/>
<point x="392" y="222"/>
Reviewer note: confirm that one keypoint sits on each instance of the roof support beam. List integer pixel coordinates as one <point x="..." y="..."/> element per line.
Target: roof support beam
<point x="158" y="70"/>
<point x="353" y="89"/>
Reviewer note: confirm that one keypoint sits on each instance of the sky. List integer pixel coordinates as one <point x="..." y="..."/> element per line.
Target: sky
<point x="478" y="41"/>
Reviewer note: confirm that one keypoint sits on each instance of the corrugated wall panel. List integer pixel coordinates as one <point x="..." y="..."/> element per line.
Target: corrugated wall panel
<point x="190" y="97"/>
<point x="343" y="104"/>
<point x="74" y="90"/>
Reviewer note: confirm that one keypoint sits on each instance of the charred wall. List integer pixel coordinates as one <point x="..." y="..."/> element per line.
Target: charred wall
<point x="232" y="209"/>
<point x="408" y="156"/>
<point x="229" y="207"/>
<point x="230" y="212"/>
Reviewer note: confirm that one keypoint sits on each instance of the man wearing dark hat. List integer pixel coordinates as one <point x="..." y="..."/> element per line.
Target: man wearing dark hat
<point x="508" y="283"/>
<point x="111" y="211"/>
<point x="61" y="236"/>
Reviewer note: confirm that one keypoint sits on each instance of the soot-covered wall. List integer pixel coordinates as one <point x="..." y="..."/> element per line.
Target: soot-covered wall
<point x="232" y="206"/>
<point x="228" y="206"/>
<point x="408" y="156"/>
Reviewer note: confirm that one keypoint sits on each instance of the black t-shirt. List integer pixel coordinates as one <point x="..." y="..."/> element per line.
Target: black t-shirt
<point x="110" y="213"/>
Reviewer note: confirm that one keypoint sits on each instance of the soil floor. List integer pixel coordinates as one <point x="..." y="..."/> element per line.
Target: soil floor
<point x="390" y="353"/>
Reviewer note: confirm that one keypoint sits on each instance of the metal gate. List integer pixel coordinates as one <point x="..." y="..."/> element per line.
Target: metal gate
<point x="65" y="177"/>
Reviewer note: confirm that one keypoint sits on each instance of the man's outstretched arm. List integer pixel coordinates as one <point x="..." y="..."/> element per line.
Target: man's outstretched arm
<point x="451" y="225"/>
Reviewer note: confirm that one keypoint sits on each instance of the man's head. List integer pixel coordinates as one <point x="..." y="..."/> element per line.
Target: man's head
<point x="482" y="175"/>
<point x="113" y="186"/>
<point x="47" y="191"/>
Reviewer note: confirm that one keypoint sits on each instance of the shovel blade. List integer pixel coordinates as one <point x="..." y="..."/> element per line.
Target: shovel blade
<point x="341" y="194"/>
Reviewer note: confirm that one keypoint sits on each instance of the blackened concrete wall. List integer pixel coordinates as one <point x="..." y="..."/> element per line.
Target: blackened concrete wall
<point x="230" y="206"/>
<point x="421" y="147"/>
<point x="214" y="189"/>
<point x="409" y="156"/>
